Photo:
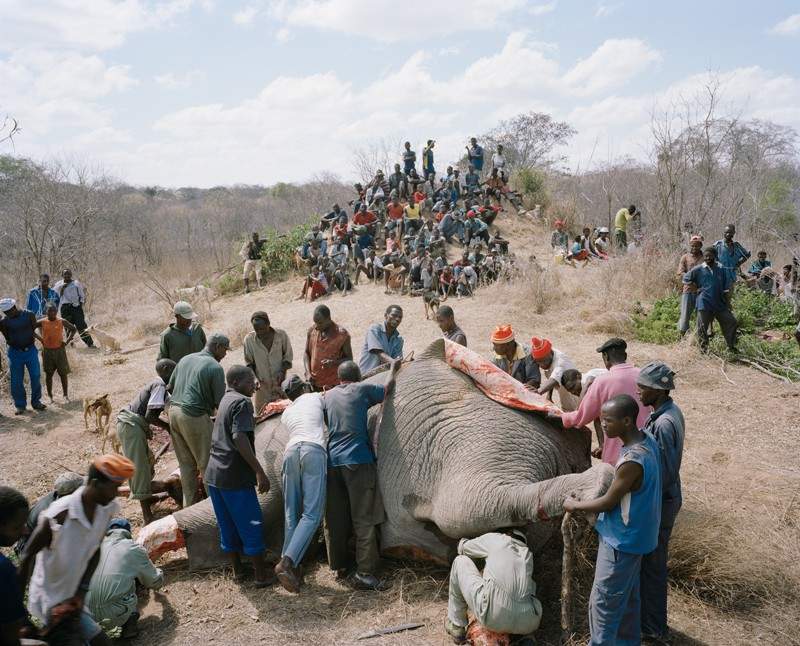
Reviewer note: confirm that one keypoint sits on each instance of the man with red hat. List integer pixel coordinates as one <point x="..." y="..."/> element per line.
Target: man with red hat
<point x="559" y="240"/>
<point x="514" y="358"/>
<point x="553" y="363"/>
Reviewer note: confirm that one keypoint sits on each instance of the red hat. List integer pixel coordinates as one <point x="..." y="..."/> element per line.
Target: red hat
<point x="540" y="348"/>
<point x="503" y="334"/>
<point x="471" y="213"/>
<point x="114" y="467"/>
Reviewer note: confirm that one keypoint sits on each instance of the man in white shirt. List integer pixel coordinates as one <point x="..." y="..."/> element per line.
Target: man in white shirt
<point x="72" y="297"/>
<point x="553" y="363"/>
<point x="499" y="161"/>
<point x="305" y="469"/>
<point x="66" y="549"/>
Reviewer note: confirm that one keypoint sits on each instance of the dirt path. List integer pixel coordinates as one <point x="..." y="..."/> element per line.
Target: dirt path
<point x="741" y="475"/>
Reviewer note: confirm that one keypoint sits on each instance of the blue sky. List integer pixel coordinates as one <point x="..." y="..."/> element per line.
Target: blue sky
<point x="206" y="92"/>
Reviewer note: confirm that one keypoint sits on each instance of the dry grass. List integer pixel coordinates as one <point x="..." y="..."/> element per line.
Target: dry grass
<point x="734" y="554"/>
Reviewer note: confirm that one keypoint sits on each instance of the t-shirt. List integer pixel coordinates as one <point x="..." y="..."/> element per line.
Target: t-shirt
<point x="395" y="211"/>
<point x="320" y="347"/>
<point x="687" y="262"/>
<point x="348" y="438"/>
<point x="364" y="217"/>
<point x="52" y="333"/>
<point x="712" y="284"/>
<point x="621" y="220"/>
<point x="152" y="396"/>
<point x="226" y="467"/>
<point x="305" y="420"/>
<point x="198" y="384"/>
<point x="456" y="335"/>
<point x="412" y="212"/>
<point x="18" y="330"/>
<point x="12" y="608"/>
<point x="377" y="339"/>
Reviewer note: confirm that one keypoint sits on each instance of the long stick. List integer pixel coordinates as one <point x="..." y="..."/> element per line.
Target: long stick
<point x="567" y="567"/>
<point x="761" y="368"/>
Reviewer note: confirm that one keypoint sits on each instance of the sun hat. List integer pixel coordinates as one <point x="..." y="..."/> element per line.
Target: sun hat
<point x="503" y="334"/>
<point x="540" y="348"/>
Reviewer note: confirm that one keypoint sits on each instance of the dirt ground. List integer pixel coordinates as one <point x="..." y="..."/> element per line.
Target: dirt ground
<point x="736" y="572"/>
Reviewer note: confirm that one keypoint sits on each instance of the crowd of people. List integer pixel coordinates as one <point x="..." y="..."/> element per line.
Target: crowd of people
<point x="399" y="228"/>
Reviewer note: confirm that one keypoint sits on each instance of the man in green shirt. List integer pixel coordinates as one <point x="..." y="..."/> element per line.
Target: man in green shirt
<point x="621" y="226"/>
<point x="197" y="386"/>
<point x="182" y="337"/>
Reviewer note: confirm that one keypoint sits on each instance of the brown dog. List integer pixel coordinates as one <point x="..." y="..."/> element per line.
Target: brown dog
<point x="100" y="407"/>
<point x="431" y="301"/>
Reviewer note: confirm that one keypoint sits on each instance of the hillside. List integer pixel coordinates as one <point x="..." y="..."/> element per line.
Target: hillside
<point x="737" y="578"/>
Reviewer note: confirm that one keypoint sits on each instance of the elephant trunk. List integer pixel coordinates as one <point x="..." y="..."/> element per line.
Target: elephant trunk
<point x="544" y="500"/>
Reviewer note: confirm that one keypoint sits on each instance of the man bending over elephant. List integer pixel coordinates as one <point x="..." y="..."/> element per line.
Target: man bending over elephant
<point x="354" y="504"/>
<point x="503" y="598"/>
<point x="383" y="342"/>
<point x="553" y="363"/>
<point x="514" y="358"/>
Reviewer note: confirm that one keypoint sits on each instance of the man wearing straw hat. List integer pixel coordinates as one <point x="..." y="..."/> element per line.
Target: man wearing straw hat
<point x="514" y="358"/>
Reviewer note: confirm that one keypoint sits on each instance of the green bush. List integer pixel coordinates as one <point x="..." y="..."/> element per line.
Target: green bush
<point x="230" y="283"/>
<point x="278" y="252"/>
<point x="755" y="311"/>
<point x="531" y="184"/>
<point x="660" y="324"/>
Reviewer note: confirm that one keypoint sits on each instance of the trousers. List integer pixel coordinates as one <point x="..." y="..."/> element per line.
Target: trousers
<point x="614" y="604"/>
<point x="727" y="321"/>
<point x="353" y="505"/>
<point x="688" y="301"/>
<point x="18" y="362"/>
<point x="304" y="473"/>
<point x="654" y="573"/>
<point x="74" y="314"/>
<point x="491" y="606"/>
<point x="191" y="439"/>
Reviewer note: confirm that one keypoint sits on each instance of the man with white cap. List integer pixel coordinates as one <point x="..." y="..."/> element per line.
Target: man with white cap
<point x="182" y="337"/>
<point x="197" y="385"/>
<point x="19" y="329"/>
<point x="667" y="426"/>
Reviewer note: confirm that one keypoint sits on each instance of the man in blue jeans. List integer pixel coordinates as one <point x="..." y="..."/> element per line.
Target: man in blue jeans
<point x="19" y="329"/>
<point x="304" y="473"/>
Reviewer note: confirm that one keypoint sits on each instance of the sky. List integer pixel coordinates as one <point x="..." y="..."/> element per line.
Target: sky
<point x="219" y="92"/>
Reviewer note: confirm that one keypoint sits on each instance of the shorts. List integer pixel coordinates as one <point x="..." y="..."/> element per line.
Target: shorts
<point x="55" y="360"/>
<point x="252" y="268"/>
<point x="241" y="526"/>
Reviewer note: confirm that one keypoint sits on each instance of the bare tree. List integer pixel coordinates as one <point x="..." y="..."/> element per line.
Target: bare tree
<point x="530" y="140"/>
<point x="379" y="154"/>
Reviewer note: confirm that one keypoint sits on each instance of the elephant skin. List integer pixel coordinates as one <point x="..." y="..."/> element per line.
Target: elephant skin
<point x="452" y="463"/>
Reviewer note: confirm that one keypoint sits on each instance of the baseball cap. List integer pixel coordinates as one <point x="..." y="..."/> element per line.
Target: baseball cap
<point x="184" y="310"/>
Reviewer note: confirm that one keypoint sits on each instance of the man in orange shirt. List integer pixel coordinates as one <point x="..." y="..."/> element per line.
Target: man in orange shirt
<point x="54" y="349"/>
<point x="327" y="346"/>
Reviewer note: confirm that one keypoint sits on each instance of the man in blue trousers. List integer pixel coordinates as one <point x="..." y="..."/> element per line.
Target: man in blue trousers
<point x="19" y="329"/>
<point x="667" y="426"/>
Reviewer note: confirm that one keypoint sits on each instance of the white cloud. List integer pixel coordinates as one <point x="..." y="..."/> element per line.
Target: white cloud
<point x="451" y="50"/>
<point x="541" y="9"/>
<point x="604" y="9"/>
<point x="85" y="24"/>
<point x="283" y="35"/>
<point x="245" y="16"/>
<point x="788" y="27"/>
<point x="418" y="19"/>
<point x="175" y="81"/>
<point x="610" y="65"/>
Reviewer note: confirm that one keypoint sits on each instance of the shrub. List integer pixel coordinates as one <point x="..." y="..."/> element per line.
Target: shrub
<point x="660" y="324"/>
<point x="531" y="184"/>
<point x="279" y="248"/>
<point x="230" y="283"/>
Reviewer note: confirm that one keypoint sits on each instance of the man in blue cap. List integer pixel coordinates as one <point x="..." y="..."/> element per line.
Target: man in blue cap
<point x="667" y="426"/>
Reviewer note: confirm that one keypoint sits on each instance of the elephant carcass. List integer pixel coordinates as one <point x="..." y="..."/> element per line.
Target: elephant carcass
<point x="451" y="463"/>
<point x="454" y="463"/>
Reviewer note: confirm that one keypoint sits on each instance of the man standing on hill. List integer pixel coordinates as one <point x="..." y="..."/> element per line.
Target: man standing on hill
<point x="623" y="217"/>
<point x="428" y="169"/>
<point x="327" y="347"/>
<point x="409" y="158"/>
<point x="730" y="253"/>
<point x="40" y="296"/>
<point x="714" y="285"/>
<point x="19" y="329"/>
<point x="268" y="352"/>
<point x="689" y="296"/>
<point x="197" y="385"/>
<point x="252" y="261"/>
<point x="619" y="380"/>
<point x="383" y="342"/>
<point x="72" y="298"/>
<point x="184" y="336"/>
<point x="667" y="426"/>
<point x="475" y="154"/>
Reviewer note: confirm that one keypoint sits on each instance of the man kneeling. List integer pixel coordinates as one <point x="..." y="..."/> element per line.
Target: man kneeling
<point x="503" y="598"/>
